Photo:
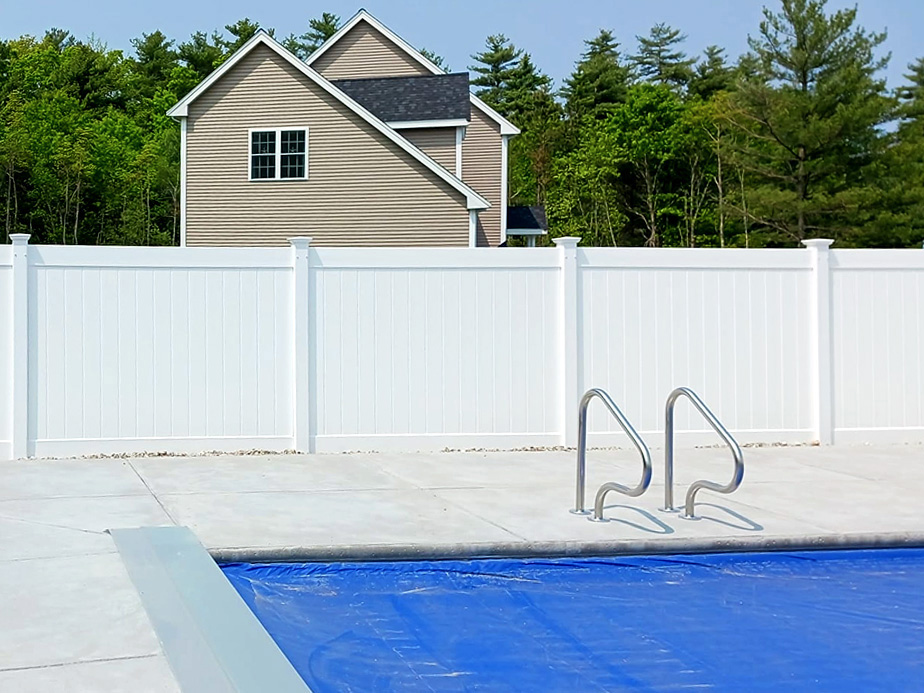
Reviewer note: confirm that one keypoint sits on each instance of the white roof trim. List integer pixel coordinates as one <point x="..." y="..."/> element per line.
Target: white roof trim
<point x="526" y="232"/>
<point x="181" y="110"/>
<point x="409" y="124"/>
<point x="506" y="127"/>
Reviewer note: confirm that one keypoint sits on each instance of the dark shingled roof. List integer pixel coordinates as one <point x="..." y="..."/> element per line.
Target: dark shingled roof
<point x="396" y="99"/>
<point x="527" y="218"/>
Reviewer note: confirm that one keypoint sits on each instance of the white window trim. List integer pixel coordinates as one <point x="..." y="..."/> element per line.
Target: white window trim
<point x="278" y="131"/>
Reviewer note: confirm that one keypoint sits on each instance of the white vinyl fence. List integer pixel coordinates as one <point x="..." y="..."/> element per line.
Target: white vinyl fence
<point x="106" y="349"/>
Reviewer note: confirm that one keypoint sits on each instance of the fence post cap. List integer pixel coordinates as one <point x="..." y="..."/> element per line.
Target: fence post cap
<point x="20" y="238"/>
<point x="818" y="243"/>
<point x="300" y="241"/>
<point x="567" y="241"/>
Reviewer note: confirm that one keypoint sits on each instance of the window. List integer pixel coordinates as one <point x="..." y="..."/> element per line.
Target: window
<point x="279" y="154"/>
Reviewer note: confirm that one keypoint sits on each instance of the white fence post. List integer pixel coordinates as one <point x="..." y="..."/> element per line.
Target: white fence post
<point x="822" y="353"/>
<point x="20" y="313"/>
<point x="301" y="357"/>
<point x="568" y="339"/>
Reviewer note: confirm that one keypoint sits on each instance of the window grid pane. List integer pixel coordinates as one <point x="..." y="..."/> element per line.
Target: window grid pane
<point x="263" y="142"/>
<point x="292" y="166"/>
<point x="263" y="166"/>
<point x="293" y="142"/>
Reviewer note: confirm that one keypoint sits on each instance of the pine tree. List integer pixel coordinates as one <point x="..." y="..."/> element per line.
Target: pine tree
<point x="496" y="65"/>
<point x="154" y="59"/>
<point x="810" y="117"/>
<point x="520" y="90"/>
<point x="912" y="94"/>
<point x="319" y="30"/>
<point x="599" y="80"/>
<point x="712" y="74"/>
<point x="201" y="53"/>
<point x="660" y="60"/>
<point x="241" y="32"/>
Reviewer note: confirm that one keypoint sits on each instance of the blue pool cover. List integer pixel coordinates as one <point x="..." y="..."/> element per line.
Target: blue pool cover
<point x="833" y="620"/>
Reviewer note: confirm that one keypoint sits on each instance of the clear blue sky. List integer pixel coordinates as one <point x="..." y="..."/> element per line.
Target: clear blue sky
<point x="552" y="30"/>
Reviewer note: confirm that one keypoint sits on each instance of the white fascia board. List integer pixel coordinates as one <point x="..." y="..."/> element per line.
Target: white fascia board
<point x="506" y="127"/>
<point x="473" y="199"/>
<point x="410" y="124"/>
<point x="526" y="232"/>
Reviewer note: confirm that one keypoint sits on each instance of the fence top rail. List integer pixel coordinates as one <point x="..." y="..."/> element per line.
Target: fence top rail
<point x="434" y="258"/>
<point x="695" y="258"/>
<point x="878" y="259"/>
<point x="159" y="258"/>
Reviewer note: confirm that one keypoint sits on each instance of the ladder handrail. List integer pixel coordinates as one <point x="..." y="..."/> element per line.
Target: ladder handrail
<point x="582" y="454"/>
<point x="696" y="486"/>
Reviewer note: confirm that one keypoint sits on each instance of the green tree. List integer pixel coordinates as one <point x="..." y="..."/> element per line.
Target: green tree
<point x="811" y="117"/>
<point x="659" y="59"/>
<point x="894" y="214"/>
<point x="154" y="60"/>
<point x="319" y="30"/>
<point x="241" y="32"/>
<point x="624" y="183"/>
<point x="599" y="80"/>
<point x="494" y="68"/>
<point x="712" y="74"/>
<point x="519" y="93"/>
<point x="202" y="53"/>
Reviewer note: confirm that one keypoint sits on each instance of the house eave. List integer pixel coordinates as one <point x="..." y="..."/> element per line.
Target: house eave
<point x="506" y="127"/>
<point x="411" y="124"/>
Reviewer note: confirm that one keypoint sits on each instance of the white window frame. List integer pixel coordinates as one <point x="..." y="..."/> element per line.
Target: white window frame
<point x="278" y="154"/>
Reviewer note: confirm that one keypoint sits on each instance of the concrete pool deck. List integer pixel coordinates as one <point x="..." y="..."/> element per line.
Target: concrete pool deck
<point x="72" y="619"/>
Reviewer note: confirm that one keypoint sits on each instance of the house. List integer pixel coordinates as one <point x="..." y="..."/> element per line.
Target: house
<point x="367" y="143"/>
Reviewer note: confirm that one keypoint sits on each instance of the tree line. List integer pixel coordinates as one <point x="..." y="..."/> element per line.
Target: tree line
<point x="797" y="138"/>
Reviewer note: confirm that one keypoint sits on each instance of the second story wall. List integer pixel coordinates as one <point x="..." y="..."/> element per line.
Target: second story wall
<point x="364" y="52"/>
<point x="437" y="143"/>
<point x="362" y="188"/>
<point x="482" y="155"/>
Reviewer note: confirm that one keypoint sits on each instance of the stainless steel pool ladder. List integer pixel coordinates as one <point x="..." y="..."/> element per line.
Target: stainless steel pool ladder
<point x="669" y="453"/>
<point x="582" y="456"/>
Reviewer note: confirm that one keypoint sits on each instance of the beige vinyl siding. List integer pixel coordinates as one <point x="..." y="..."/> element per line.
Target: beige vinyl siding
<point x="362" y="189"/>
<point x="365" y="52"/>
<point x="437" y="143"/>
<point x="482" y="150"/>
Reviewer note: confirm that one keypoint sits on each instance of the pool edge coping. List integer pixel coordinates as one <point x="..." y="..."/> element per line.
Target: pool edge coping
<point x="565" y="549"/>
<point x="212" y="640"/>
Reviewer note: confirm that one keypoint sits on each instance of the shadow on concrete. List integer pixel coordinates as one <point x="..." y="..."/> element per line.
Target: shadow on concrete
<point x="739" y="521"/>
<point x="658" y="528"/>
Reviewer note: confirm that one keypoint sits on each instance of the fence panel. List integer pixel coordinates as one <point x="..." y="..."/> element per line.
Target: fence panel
<point x="878" y="326"/>
<point x="428" y="347"/>
<point x="6" y="351"/>
<point x="158" y="354"/>
<point x="731" y="324"/>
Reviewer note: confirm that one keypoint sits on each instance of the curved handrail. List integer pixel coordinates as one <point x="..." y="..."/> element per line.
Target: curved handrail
<point x="582" y="455"/>
<point x="669" y="453"/>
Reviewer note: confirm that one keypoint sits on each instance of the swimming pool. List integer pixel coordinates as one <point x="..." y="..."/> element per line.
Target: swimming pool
<point x="825" y="620"/>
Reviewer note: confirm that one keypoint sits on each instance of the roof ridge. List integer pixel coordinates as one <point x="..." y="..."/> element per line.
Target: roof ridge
<point x="396" y="77"/>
